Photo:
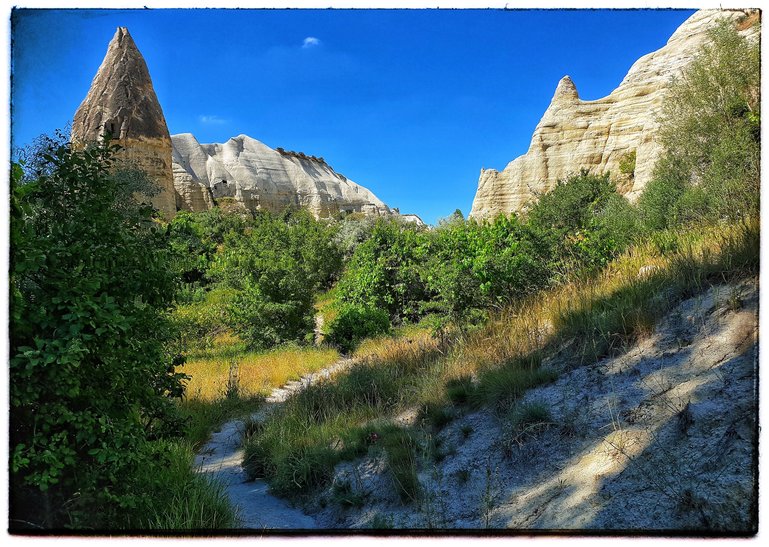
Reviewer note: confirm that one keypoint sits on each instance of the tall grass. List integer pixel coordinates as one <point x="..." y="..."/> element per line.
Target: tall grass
<point x="297" y="448"/>
<point x="257" y="372"/>
<point x="177" y="498"/>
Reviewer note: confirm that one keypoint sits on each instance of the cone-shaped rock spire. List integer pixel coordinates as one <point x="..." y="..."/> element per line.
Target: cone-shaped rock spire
<point x="122" y="102"/>
<point x="566" y="89"/>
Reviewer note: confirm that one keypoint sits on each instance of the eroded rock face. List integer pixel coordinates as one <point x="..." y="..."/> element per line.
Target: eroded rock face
<point x="123" y="102"/>
<point x="257" y="177"/>
<point x="597" y="135"/>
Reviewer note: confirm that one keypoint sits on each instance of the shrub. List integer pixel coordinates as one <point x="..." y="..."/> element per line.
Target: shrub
<point x="275" y="267"/>
<point x="384" y="272"/>
<point x="471" y="267"/>
<point x="710" y="132"/>
<point x="90" y="377"/>
<point x="627" y="163"/>
<point x="567" y="218"/>
<point x="354" y="323"/>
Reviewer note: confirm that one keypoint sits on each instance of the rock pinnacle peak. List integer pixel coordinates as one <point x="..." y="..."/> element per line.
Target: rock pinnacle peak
<point x="566" y="89"/>
<point x="122" y="102"/>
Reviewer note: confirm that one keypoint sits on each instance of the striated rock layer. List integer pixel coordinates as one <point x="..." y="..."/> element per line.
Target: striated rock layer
<point x="122" y="102"/>
<point x="597" y="135"/>
<point x="257" y="177"/>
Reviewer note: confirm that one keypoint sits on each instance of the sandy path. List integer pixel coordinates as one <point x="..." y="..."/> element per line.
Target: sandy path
<point x="221" y="457"/>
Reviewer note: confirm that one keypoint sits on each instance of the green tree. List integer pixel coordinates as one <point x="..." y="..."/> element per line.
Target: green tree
<point x="194" y="240"/>
<point x="90" y="376"/>
<point x="275" y="268"/>
<point x="384" y="271"/>
<point x="473" y="267"/>
<point x="567" y="218"/>
<point x="710" y="132"/>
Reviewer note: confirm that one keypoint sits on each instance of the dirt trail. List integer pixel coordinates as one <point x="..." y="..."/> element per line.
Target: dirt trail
<point x="221" y="457"/>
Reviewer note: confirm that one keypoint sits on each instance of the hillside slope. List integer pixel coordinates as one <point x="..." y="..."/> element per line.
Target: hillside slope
<point x="662" y="437"/>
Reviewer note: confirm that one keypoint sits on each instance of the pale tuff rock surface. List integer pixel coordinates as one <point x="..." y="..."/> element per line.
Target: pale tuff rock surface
<point x="595" y="135"/>
<point x="123" y="102"/>
<point x="662" y="437"/>
<point x="260" y="178"/>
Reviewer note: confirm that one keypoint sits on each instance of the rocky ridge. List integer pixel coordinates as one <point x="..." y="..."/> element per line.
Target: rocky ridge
<point x="258" y="177"/>
<point x="598" y="135"/>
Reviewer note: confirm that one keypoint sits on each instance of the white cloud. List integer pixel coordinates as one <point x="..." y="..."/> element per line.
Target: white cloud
<point x="310" y="41"/>
<point x="212" y="119"/>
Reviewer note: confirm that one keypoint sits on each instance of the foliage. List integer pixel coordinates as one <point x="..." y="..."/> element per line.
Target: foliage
<point x="198" y="325"/>
<point x="384" y="272"/>
<point x="567" y="218"/>
<point x="170" y="495"/>
<point x="473" y="267"/>
<point x="275" y="267"/>
<point x="353" y="231"/>
<point x="462" y="269"/>
<point x="627" y="163"/>
<point x="710" y="132"/>
<point x="354" y="323"/>
<point x="90" y="376"/>
<point x="194" y="240"/>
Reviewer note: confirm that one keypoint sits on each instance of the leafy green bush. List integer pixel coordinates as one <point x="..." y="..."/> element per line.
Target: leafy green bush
<point x="90" y="376"/>
<point x="194" y="239"/>
<point x="627" y="163"/>
<point x="274" y="268"/>
<point x="354" y="323"/>
<point x="472" y="267"/>
<point x="578" y="219"/>
<point x="710" y="133"/>
<point x="384" y="272"/>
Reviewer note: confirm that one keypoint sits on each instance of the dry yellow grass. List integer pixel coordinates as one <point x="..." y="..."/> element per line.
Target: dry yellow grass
<point x="257" y="373"/>
<point x="528" y="326"/>
<point x="406" y="339"/>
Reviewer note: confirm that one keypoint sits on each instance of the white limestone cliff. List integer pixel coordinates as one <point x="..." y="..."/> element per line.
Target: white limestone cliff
<point x="596" y="135"/>
<point x="257" y="177"/>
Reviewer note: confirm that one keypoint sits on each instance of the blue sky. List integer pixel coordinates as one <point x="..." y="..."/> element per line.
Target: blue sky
<point x="409" y="103"/>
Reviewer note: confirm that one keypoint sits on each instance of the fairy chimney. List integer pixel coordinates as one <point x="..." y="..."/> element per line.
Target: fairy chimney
<point x="122" y="102"/>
